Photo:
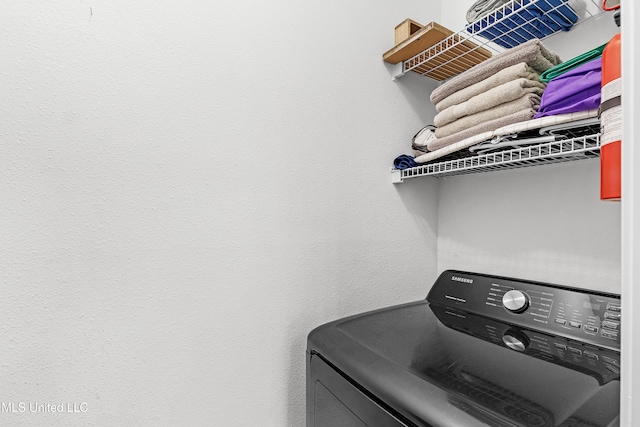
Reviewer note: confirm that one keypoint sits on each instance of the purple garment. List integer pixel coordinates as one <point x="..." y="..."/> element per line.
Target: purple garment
<point x="575" y="90"/>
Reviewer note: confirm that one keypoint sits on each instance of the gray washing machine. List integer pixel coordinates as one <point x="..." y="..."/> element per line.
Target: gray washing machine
<point x="481" y="350"/>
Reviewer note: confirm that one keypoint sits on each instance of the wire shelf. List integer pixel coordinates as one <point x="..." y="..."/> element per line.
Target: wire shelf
<point x="507" y="26"/>
<point x="566" y="150"/>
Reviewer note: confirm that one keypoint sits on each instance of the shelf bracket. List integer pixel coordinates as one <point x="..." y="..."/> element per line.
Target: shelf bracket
<point x="396" y="176"/>
<point x="398" y="70"/>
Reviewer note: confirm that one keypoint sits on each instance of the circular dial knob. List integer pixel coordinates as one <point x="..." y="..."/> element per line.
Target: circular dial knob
<point x="515" y="301"/>
<point x="515" y="340"/>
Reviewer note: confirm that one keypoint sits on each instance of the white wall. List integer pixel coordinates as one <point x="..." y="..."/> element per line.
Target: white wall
<point x="188" y="188"/>
<point x="545" y="223"/>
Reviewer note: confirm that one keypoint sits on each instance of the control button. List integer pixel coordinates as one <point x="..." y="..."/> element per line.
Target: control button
<point x="610" y="325"/>
<point x="591" y="329"/>
<point x="560" y="346"/>
<point x="613" y="307"/>
<point x="575" y="351"/>
<point x="613" y="369"/>
<point x="611" y="360"/>
<point x="515" y="340"/>
<point x="614" y="316"/>
<point x="575" y="324"/>
<point x="611" y="335"/>
<point x="590" y="355"/>
<point x="515" y="301"/>
<point x="560" y="321"/>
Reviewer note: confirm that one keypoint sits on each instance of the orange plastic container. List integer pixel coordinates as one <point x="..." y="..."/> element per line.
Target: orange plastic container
<point x="611" y="121"/>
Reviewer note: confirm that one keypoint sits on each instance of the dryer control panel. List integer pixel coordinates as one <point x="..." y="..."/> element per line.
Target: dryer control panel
<point x="587" y="316"/>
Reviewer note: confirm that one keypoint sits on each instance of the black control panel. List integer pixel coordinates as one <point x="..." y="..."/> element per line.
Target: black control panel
<point x="601" y="363"/>
<point x="588" y="316"/>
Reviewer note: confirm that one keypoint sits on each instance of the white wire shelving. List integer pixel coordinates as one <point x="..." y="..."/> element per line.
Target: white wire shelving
<point x="566" y="150"/>
<point x="507" y="26"/>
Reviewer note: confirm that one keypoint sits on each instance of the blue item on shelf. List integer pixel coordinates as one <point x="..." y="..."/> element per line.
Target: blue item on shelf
<point x="405" y="161"/>
<point x="525" y="20"/>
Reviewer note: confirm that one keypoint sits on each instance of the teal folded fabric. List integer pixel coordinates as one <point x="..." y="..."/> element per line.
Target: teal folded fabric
<point x="560" y="69"/>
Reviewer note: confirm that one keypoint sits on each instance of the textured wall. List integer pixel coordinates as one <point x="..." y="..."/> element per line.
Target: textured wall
<point x="545" y="223"/>
<point x="187" y="189"/>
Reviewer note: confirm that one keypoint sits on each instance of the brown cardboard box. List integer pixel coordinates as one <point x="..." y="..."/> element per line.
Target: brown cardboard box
<point x="405" y="29"/>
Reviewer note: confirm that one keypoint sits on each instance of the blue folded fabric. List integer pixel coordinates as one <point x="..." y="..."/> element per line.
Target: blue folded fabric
<point x="405" y="161"/>
<point x="526" y="20"/>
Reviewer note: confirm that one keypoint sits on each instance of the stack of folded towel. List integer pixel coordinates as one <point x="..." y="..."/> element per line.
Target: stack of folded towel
<point x="502" y="90"/>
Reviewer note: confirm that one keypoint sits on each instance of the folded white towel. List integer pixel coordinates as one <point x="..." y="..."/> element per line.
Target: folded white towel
<point x="448" y="144"/>
<point x="533" y="52"/>
<point x="482" y="129"/>
<point x="529" y="101"/>
<point x="516" y="71"/>
<point x="493" y="97"/>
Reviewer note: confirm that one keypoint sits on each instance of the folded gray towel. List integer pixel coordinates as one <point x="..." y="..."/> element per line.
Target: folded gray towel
<point x="529" y="101"/>
<point x="517" y="71"/>
<point x="517" y="117"/>
<point x="492" y="98"/>
<point x="531" y="52"/>
<point x="482" y="8"/>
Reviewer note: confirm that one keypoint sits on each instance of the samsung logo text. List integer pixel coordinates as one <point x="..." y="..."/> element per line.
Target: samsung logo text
<point x="461" y="279"/>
